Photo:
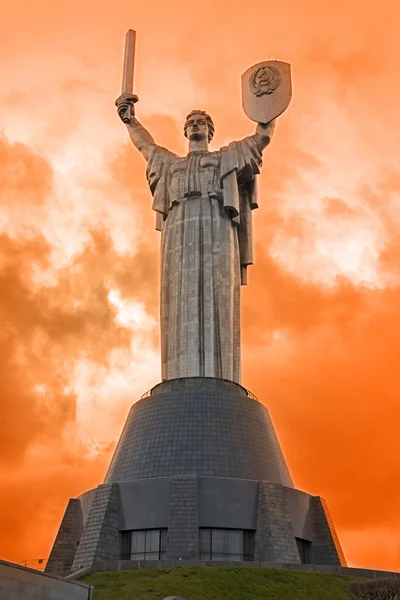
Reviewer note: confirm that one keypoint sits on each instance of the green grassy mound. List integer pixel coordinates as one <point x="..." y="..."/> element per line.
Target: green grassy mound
<point x="218" y="583"/>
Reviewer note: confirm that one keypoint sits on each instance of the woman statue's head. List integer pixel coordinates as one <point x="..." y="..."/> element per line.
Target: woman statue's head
<point x="198" y="126"/>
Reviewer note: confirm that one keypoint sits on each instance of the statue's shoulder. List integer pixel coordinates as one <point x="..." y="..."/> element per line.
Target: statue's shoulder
<point x="160" y="153"/>
<point x="248" y="141"/>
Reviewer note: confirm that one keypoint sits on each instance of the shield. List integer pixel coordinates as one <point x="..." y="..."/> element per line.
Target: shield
<point x="266" y="90"/>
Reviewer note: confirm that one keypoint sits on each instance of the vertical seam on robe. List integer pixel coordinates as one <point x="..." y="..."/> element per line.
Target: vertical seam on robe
<point x="215" y="290"/>
<point x="201" y="293"/>
<point x="193" y="173"/>
<point x="197" y="186"/>
<point x="178" y="332"/>
<point x="187" y="178"/>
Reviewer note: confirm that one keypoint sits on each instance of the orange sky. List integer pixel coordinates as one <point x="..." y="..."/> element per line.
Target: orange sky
<point x="79" y="255"/>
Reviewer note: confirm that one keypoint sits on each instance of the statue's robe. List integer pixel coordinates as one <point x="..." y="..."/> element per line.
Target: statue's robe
<point x="203" y="205"/>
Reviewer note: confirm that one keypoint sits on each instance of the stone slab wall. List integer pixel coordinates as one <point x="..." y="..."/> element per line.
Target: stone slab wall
<point x="203" y="426"/>
<point x="184" y="503"/>
<point x="274" y="540"/>
<point x="183" y="525"/>
<point x="100" y="537"/>
<point x="326" y="546"/>
<point x="67" y="540"/>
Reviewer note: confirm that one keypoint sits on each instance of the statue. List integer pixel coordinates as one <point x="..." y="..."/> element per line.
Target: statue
<point x="203" y="204"/>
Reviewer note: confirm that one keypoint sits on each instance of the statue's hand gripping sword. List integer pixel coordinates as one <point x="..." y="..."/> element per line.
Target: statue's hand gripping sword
<point x="127" y="99"/>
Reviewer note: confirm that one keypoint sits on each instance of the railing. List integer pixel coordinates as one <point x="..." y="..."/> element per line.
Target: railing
<point x="116" y="565"/>
<point x="34" y="563"/>
<point x="251" y="395"/>
<point x="248" y="392"/>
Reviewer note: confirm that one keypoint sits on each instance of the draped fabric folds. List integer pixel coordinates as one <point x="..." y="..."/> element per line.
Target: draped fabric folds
<point x="203" y="205"/>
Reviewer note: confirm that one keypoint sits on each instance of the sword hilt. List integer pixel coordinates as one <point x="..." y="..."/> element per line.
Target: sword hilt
<point x="127" y="117"/>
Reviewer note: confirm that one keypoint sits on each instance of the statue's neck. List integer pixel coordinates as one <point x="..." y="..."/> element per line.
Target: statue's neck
<point x="198" y="146"/>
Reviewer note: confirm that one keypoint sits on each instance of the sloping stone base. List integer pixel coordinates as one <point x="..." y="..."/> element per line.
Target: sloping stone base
<point x="197" y="453"/>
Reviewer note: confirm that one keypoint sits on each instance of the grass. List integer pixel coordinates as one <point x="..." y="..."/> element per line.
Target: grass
<point x="217" y="583"/>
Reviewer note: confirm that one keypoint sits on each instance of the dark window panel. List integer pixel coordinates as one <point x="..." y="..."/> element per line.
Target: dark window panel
<point x="163" y="540"/>
<point x="218" y="541"/>
<point x="205" y="541"/>
<point x="147" y="544"/>
<point x="226" y="544"/>
<point x="305" y="551"/>
<point x="126" y="537"/>
<point x="234" y="542"/>
<point x="138" y="542"/>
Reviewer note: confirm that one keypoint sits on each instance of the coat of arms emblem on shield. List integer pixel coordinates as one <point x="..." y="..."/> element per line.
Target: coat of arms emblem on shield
<point x="266" y="90"/>
<point x="265" y="80"/>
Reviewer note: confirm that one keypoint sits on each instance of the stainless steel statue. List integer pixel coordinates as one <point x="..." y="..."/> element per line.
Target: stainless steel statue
<point x="203" y="203"/>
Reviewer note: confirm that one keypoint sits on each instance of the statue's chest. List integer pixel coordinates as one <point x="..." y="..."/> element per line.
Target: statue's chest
<point x="194" y="175"/>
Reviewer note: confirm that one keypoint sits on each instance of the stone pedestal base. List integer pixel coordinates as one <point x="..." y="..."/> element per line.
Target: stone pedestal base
<point x="197" y="454"/>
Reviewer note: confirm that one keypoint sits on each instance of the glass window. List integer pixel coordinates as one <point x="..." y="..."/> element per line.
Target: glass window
<point x="163" y="541"/>
<point x="153" y="541"/>
<point x="226" y="544"/>
<point x="138" y="542"/>
<point x="205" y="541"/>
<point x="146" y="544"/>
<point x="248" y="545"/>
<point x="235" y="542"/>
<point x="126" y="537"/>
<point x="218" y="541"/>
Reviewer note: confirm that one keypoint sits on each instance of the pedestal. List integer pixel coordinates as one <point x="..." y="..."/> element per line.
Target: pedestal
<point x="198" y="474"/>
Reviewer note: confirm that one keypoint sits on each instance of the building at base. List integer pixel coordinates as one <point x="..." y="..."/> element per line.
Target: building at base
<point x="198" y="474"/>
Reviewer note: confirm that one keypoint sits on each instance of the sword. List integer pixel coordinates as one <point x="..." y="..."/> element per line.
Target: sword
<point x="129" y="67"/>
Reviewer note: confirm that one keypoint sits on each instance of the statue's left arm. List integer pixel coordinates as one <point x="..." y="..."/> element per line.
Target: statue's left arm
<point x="244" y="157"/>
<point x="263" y="134"/>
<point x="240" y="164"/>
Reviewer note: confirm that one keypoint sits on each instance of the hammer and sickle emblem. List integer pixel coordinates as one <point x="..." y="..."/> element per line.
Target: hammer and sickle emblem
<point x="265" y="80"/>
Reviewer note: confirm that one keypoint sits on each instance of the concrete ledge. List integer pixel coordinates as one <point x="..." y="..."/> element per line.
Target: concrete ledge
<point x="24" y="583"/>
<point x="79" y="573"/>
<point x="122" y="565"/>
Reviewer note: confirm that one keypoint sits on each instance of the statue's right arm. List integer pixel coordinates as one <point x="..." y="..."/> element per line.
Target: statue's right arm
<point x="140" y="137"/>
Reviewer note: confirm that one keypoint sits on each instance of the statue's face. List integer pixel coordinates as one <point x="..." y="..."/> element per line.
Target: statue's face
<point x="196" y="127"/>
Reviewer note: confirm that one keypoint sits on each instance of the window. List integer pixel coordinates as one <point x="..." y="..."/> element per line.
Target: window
<point x="305" y="550"/>
<point x="226" y="544"/>
<point x="146" y="544"/>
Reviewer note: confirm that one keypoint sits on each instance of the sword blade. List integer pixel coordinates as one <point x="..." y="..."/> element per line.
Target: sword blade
<point x="129" y="62"/>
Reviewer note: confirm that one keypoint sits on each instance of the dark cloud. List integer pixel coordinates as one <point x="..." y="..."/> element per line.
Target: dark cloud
<point x="46" y="327"/>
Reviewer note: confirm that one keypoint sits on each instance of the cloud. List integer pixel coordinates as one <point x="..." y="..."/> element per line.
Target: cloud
<point x="50" y="326"/>
<point x="323" y="359"/>
<point x="26" y="176"/>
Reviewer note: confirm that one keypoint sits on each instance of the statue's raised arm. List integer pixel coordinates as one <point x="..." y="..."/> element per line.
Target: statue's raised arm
<point x="125" y="103"/>
<point x="140" y="137"/>
<point x="264" y="133"/>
